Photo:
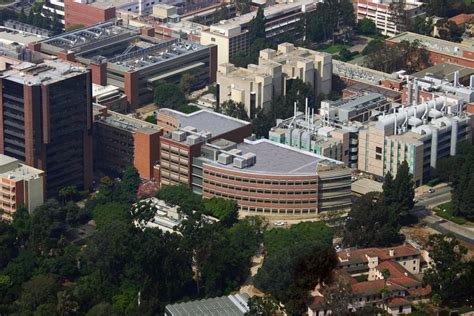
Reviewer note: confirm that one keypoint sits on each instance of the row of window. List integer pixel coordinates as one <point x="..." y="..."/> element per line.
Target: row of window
<point x="259" y="181"/>
<point x="251" y="199"/>
<point x="261" y="191"/>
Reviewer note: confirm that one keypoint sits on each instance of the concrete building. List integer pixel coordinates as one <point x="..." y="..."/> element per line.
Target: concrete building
<point x="334" y="133"/>
<point x="420" y="134"/>
<point x="308" y="65"/>
<point x="384" y="18"/>
<point x="22" y="186"/>
<point x="121" y="141"/>
<point x="231" y="35"/>
<point x="230" y="39"/>
<point x="46" y="121"/>
<point x="136" y="63"/>
<point x="256" y="85"/>
<point x="441" y="51"/>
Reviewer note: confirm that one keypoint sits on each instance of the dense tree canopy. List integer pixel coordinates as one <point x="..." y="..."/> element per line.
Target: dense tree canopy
<point x="451" y="274"/>
<point x="169" y="95"/>
<point x="459" y="170"/>
<point x="409" y="56"/>
<point x="301" y="257"/>
<point x="366" y="27"/>
<point x="371" y="223"/>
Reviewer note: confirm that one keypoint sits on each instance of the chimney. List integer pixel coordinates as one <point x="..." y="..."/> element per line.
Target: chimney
<point x="391" y="252"/>
<point x="456" y="78"/>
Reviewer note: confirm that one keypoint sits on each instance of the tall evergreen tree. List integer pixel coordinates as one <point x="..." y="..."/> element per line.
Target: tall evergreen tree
<point x="389" y="191"/>
<point x="405" y="188"/>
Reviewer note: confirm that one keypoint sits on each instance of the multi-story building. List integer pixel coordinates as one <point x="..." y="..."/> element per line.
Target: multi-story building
<point x="184" y="136"/>
<point x="420" y="134"/>
<point x="441" y="51"/>
<point x="256" y="85"/>
<point x="121" y="141"/>
<point x="403" y="285"/>
<point x="265" y="178"/>
<point x="21" y="186"/>
<point x="271" y="179"/>
<point x="307" y="65"/>
<point x="231" y="36"/>
<point x="334" y="133"/>
<point x="136" y="63"/>
<point x="46" y="121"/>
<point x="384" y="17"/>
<point x="230" y="39"/>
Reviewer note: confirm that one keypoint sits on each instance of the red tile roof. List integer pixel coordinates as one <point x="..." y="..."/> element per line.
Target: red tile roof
<point x="462" y="18"/>
<point x="397" y="301"/>
<point x="383" y="253"/>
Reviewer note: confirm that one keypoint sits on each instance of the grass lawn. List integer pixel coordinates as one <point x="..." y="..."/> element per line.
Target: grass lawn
<point x="446" y="211"/>
<point x="332" y="49"/>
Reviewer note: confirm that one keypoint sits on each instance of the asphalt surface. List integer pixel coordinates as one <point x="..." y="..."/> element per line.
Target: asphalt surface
<point x="427" y="201"/>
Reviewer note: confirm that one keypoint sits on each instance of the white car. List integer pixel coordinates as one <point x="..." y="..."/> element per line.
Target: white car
<point x="279" y="223"/>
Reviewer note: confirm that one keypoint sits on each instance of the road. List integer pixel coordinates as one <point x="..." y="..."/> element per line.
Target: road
<point x="427" y="201"/>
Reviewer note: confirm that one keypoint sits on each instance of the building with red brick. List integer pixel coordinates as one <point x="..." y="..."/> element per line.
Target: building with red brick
<point x="221" y="159"/>
<point x="441" y="51"/>
<point x="46" y="121"/>
<point x="87" y="14"/>
<point x="121" y="141"/>
<point x="136" y="63"/>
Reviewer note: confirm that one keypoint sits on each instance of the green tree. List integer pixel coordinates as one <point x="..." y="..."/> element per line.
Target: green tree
<point x="257" y="25"/>
<point x="227" y="211"/>
<point x="405" y="189"/>
<point x="22" y="17"/>
<point x="234" y="109"/>
<point x="422" y="25"/>
<point x="367" y="27"/>
<point x="40" y="290"/>
<point x="448" y="268"/>
<point x="168" y="95"/>
<point x="371" y="223"/>
<point x="263" y="306"/>
<point x="242" y="6"/>
<point x="130" y="182"/>
<point x="186" y="83"/>
<point x="151" y="119"/>
<point x="8" y="248"/>
<point x="68" y="193"/>
<point x="338" y="295"/>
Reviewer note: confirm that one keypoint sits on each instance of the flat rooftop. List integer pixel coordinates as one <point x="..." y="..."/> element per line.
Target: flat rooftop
<point x="232" y="305"/>
<point x="383" y="91"/>
<point x="358" y="101"/>
<point x="364" y="186"/>
<point x="269" y="12"/>
<point x="20" y="172"/>
<point x="90" y="35"/>
<point x="128" y="123"/>
<point x="204" y="120"/>
<point x="46" y="73"/>
<point x="360" y="73"/>
<point x="279" y="159"/>
<point x="9" y="36"/>
<point x="444" y="71"/>
<point x="151" y="53"/>
<point x="434" y="44"/>
<point x="294" y="55"/>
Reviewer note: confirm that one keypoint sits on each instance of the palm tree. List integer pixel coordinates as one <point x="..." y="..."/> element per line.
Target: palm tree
<point x="385" y="292"/>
